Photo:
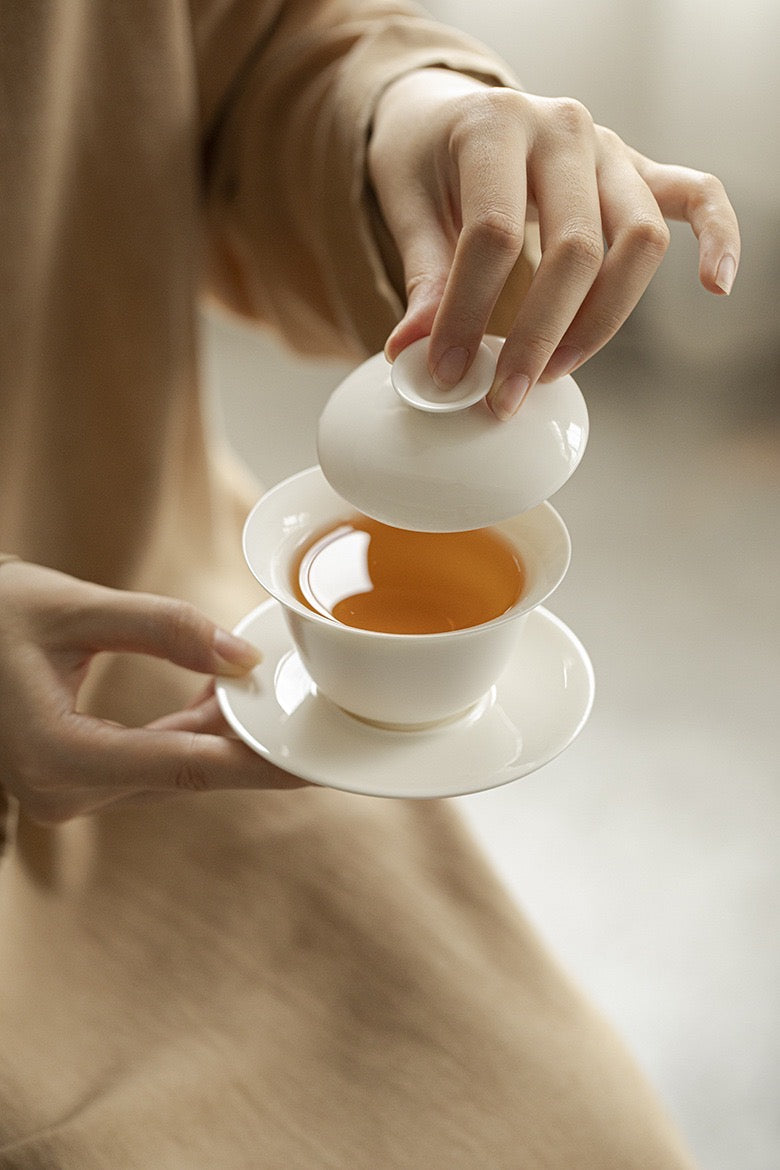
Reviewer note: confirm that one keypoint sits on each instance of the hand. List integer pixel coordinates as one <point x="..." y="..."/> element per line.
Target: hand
<point x="61" y="763"/>
<point x="458" y="167"/>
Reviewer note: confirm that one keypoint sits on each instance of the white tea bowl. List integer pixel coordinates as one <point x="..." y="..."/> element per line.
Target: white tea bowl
<point x="404" y="681"/>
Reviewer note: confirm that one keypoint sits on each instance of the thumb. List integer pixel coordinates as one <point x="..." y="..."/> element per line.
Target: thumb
<point x="426" y="255"/>
<point x="417" y="321"/>
<point x="203" y="715"/>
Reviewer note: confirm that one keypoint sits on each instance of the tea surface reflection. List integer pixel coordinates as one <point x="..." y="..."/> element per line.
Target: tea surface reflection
<point x="371" y="576"/>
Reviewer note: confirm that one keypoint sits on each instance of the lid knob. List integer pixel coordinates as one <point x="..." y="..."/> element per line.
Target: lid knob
<point x="412" y="381"/>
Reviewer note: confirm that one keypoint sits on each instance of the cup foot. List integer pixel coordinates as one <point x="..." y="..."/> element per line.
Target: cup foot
<point x="472" y="711"/>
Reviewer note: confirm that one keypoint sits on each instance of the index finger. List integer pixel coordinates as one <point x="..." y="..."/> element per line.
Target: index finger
<point x="491" y="168"/>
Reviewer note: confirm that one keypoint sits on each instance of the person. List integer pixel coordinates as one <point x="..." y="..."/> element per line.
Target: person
<point x="204" y="961"/>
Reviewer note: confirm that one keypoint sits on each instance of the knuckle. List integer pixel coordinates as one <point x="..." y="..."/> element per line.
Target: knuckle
<point x="498" y="102"/>
<point x="580" y="247"/>
<point x="31" y="771"/>
<point x="189" y="775"/>
<point x="480" y="111"/>
<point x="708" y="187"/>
<point x="606" y="323"/>
<point x="572" y="116"/>
<point x="182" y="622"/>
<point x="538" y="348"/>
<point x="36" y="787"/>
<point x="423" y="284"/>
<point x="705" y="197"/>
<point x="649" y="237"/>
<point x="498" y="232"/>
<point x="46" y="772"/>
<point x="609" y="140"/>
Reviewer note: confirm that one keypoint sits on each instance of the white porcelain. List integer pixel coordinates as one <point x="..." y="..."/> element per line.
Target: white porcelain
<point x="435" y="470"/>
<point x="536" y="708"/>
<point x="398" y="679"/>
<point x="412" y="382"/>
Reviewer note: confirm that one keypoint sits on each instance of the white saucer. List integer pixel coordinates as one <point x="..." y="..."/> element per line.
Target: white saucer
<point x="534" y="711"/>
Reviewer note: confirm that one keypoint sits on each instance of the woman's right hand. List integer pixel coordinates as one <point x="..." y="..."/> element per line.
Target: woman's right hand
<point x="61" y="763"/>
<point x="458" y="167"/>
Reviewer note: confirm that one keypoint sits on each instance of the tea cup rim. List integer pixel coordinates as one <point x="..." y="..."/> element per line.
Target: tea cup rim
<point x="285" y="597"/>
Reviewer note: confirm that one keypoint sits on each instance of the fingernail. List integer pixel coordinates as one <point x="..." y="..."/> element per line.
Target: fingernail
<point x="509" y="395"/>
<point x="727" y="270"/>
<point x="450" y="368"/>
<point x="236" y="656"/>
<point x="563" y="359"/>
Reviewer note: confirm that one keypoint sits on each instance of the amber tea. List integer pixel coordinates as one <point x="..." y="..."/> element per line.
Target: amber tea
<point x="369" y="575"/>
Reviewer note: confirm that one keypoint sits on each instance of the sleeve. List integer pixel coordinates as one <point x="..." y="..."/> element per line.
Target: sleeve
<point x="5" y="808"/>
<point x="292" y="230"/>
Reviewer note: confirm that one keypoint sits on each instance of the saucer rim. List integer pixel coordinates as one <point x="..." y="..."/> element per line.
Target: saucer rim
<point x="405" y="742"/>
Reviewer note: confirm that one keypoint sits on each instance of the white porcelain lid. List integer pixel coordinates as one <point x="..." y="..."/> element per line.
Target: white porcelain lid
<point x="446" y="463"/>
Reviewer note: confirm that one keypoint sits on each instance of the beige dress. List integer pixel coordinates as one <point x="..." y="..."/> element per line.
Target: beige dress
<point x="245" y="981"/>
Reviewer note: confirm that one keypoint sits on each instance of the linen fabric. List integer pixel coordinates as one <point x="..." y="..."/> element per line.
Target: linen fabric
<point x="248" y="981"/>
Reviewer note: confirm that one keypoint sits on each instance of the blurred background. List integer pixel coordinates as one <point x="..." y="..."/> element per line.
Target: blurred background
<point x="647" y="854"/>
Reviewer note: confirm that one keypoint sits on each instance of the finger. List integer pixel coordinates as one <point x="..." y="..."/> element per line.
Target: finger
<point x="205" y="716"/>
<point x="491" y="174"/>
<point x="700" y="200"/>
<point x="202" y="697"/>
<point x="413" y="177"/>
<point x="147" y="759"/>
<point x="163" y="627"/>
<point x="60" y="807"/>
<point x="417" y="321"/>
<point x="637" y="237"/>
<point x="562" y="179"/>
<point x="426" y="253"/>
